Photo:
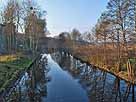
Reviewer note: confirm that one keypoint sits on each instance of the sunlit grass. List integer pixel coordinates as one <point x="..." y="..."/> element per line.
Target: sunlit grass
<point x="5" y="58"/>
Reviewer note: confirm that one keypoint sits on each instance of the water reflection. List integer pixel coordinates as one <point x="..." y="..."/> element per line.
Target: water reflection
<point x="62" y="87"/>
<point x="33" y="85"/>
<point x="70" y="81"/>
<point x="99" y="85"/>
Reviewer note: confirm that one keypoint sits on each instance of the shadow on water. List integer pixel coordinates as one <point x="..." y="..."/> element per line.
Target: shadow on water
<point x="99" y="85"/>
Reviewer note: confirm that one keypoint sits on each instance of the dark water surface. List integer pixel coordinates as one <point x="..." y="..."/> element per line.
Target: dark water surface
<point x="73" y="81"/>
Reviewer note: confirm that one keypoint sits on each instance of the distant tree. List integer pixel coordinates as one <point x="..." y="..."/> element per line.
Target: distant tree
<point x="66" y="39"/>
<point x="89" y="37"/>
<point x="75" y="34"/>
<point x="64" y="35"/>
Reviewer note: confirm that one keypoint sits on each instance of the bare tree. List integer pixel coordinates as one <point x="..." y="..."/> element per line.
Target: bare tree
<point x="10" y="14"/>
<point x="118" y="13"/>
<point x="75" y="34"/>
<point x="35" y="27"/>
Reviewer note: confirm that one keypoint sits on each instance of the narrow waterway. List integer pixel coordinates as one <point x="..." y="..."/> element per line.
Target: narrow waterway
<point x="59" y="77"/>
<point x="73" y="81"/>
<point x="62" y="87"/>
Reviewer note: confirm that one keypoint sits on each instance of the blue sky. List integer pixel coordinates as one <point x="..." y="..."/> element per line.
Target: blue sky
<point x="64" y="15"/>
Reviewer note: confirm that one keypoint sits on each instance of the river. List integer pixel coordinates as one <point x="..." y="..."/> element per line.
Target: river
<point x="73" y="81"/>
<point x="62" y="78"/>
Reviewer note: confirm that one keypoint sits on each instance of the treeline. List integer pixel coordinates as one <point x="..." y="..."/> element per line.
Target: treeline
<point x="112" y="40"/>
<point x="116" y="30"/>
<point x="26" y="17"/>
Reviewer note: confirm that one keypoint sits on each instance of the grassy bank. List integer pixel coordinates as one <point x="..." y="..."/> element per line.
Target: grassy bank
<point x="107" y="62"/>
<point x="10" y="68"/>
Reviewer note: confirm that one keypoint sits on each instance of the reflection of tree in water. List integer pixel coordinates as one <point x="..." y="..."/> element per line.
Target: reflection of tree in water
<point x="38" y="88"/>
<point x="100" y="86"/>
<point x="62" y="59"/>
<point x="33" y="87"/>
<point x="68" y="63"/>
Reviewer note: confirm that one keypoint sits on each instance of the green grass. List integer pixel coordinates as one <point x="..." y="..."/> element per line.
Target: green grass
<point x="10" y="69"/>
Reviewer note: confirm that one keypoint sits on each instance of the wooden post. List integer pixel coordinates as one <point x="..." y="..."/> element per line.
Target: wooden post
<point x="133" y="93"/>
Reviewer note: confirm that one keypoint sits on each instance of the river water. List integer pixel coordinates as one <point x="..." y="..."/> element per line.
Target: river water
<point x="62" y="78"/>
<point x="73" y="81"/>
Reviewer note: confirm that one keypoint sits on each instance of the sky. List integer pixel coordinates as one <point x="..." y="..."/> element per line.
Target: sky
<point x="64" y="15"/>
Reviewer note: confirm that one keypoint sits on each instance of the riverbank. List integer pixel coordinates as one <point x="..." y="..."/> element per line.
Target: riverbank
<point x="12" y="67"/>
<point x="86" y="59"/>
